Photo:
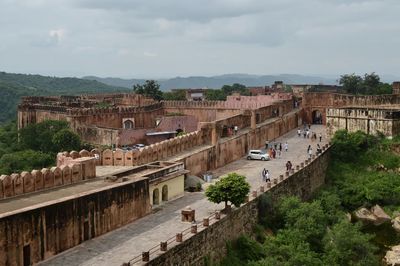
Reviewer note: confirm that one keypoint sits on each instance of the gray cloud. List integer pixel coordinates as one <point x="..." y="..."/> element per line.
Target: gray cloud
<point x="161" y="38"/>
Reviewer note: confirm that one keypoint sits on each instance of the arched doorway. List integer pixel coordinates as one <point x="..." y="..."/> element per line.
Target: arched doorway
<point x="128" y="124"/>
<point x="316" y="117"/>
<point x="165" y="193"/>
<point x="156" y="196"/>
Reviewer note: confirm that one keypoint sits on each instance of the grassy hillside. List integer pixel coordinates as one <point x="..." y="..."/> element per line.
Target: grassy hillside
<point x="13" y="86"/>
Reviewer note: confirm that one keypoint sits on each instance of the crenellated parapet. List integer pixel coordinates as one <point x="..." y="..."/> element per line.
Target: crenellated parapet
<point x="47" y="178"/>
<point x="155" y="152"/>
<point x="113" y="110"/>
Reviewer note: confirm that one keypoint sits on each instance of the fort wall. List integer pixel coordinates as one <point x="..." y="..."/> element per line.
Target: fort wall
<point x="210" y="240"/>
<point x="313" y="101"/>
<point x="73" y="171"/>
<point x="52" y="228"/>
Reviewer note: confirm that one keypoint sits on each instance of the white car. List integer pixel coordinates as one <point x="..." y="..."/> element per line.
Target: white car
<point x="257" y="155"/>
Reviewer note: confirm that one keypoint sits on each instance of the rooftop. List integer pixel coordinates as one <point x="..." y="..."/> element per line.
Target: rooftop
<point x="42" y="198"/>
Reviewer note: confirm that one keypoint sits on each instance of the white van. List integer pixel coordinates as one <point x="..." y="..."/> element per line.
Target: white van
<point x="257" y="155"/>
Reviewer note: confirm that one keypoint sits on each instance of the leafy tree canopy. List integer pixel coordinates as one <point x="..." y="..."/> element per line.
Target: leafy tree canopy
<point x="25" y="160"/>
<point x="226" y="90"/>
<point x="233" y="188"/>
<point x="150" y="89"/>
<point x="66" y="140"/>
<point x="369" y="84"/>
<point x="178" y="95"/>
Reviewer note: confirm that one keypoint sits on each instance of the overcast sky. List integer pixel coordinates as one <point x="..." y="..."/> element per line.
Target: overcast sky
<point x="168" y="38"/>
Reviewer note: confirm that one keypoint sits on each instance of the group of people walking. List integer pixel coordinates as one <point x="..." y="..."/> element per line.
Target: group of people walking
<point x="306" y="132"/>
<point x="275" y="150"/>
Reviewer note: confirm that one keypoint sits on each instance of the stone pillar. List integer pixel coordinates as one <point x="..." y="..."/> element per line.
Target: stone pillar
<point x="217" y="215"/>
<point x="206" y="222"/>
<point x="281" y="177"/>
<point x="145" y="256"/>
<point x="193" y="229"/>
<point x="261" y="188"/>
<point x="179" y="237"/>
<point x="253" y="119"/>
<point x="163" y="246"/>
<point x="254" y="194"/>
<point x="214" y="135"/>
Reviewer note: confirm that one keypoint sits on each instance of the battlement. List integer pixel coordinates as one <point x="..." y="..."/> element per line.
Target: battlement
<point x="113" y="110"/>
<point x="151" y="153"/>
<point x="37" y="180"/>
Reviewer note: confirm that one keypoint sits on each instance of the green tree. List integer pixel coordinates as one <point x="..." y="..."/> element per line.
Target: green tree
<point x="233" y="188"/>
<point x="215" y="95"/>
<point x="66" y="140"/>
<point x="370" y="84"/>
<point x="39" y="136"/>
<point x="177" y="95"/>
<point x="345" y="244"/>
<point x="25" y="160"/>
<point x="150" y="89"/>
<point x="351" y="83"/>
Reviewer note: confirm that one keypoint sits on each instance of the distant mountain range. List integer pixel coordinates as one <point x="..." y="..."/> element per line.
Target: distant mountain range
<point x="217" y="82"/>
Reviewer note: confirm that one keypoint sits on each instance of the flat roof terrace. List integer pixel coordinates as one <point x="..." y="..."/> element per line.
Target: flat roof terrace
<point x="42" y="198"/>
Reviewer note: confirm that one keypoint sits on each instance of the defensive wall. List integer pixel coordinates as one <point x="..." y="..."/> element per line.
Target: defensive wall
<point x="207" y="239"/>
<point x="34" y="235"/>
<point x="320" y="101"/>
<point x="40" y="224"/>
<point x="369" y="120"/>
<point x="211" y="146"/>
<point x="77" y="170"/>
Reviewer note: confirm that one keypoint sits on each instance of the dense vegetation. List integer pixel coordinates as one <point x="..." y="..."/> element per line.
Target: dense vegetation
<point x="13" y="86"/>
<point x="363" y="172"/>
<point x="370" y="84"/>
<point x="37" y="146"/>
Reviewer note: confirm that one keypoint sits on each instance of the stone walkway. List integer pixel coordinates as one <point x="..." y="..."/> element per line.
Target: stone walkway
<point x="125" y="243"/>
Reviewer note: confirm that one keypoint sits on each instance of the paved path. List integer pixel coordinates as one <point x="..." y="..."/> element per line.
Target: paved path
<point x="123" y="244"/>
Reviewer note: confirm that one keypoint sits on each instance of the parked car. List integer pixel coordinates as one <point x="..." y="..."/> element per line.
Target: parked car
<point x="139" y="146"/>
<point x="257" y="155"/>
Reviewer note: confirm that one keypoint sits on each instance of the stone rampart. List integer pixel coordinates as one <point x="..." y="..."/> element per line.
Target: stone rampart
<point x="71" y="171"/>
<point x="154" y="152"/>
<point x="319" y="101"/>
<point x="208" y="238"/>
<point x="30" y="236"/>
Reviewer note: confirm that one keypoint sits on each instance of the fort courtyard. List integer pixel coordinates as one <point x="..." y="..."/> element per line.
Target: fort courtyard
<point x="123" y="244"/>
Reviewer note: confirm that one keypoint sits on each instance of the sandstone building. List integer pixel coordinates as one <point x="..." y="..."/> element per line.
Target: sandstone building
<point x="92" y="192"/>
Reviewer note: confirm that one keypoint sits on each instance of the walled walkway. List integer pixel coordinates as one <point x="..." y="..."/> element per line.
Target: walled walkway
<point x="123" y="244"/>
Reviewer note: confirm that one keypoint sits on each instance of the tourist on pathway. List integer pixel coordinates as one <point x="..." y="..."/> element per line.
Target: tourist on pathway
<point x="308" y="133"/>
<point x="263" y="174"/>
<point x="319" y="150"/>
<point x="273" y="153"/>
<point x="266" y="145"/>
<point x="286" y="146"/>
<point x="320" y="137"/>
<point x="288" y="166"/>
<point x="267" y="178"/>
<point x="310" y="152"/>
<point x="305" y="133"/>
<point x="298" y="132"/>
<point x="279" y="153"/>
<point x="235" y="128"/>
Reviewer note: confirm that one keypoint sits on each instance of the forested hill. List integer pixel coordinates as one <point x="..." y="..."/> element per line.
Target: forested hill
<point x="13" y="86"/>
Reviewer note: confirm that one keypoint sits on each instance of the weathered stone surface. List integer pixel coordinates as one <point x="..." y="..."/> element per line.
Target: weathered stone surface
<point x="392" y="256"/>
<point x="364" y="215"/>
<point x="396" y="223"/>
<point x="38" y="179"/>
<point x="29" y="183"/>
<point x="380" y="215"/>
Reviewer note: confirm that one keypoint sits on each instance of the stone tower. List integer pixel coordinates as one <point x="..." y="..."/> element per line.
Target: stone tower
<point x="396" y="87"/>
